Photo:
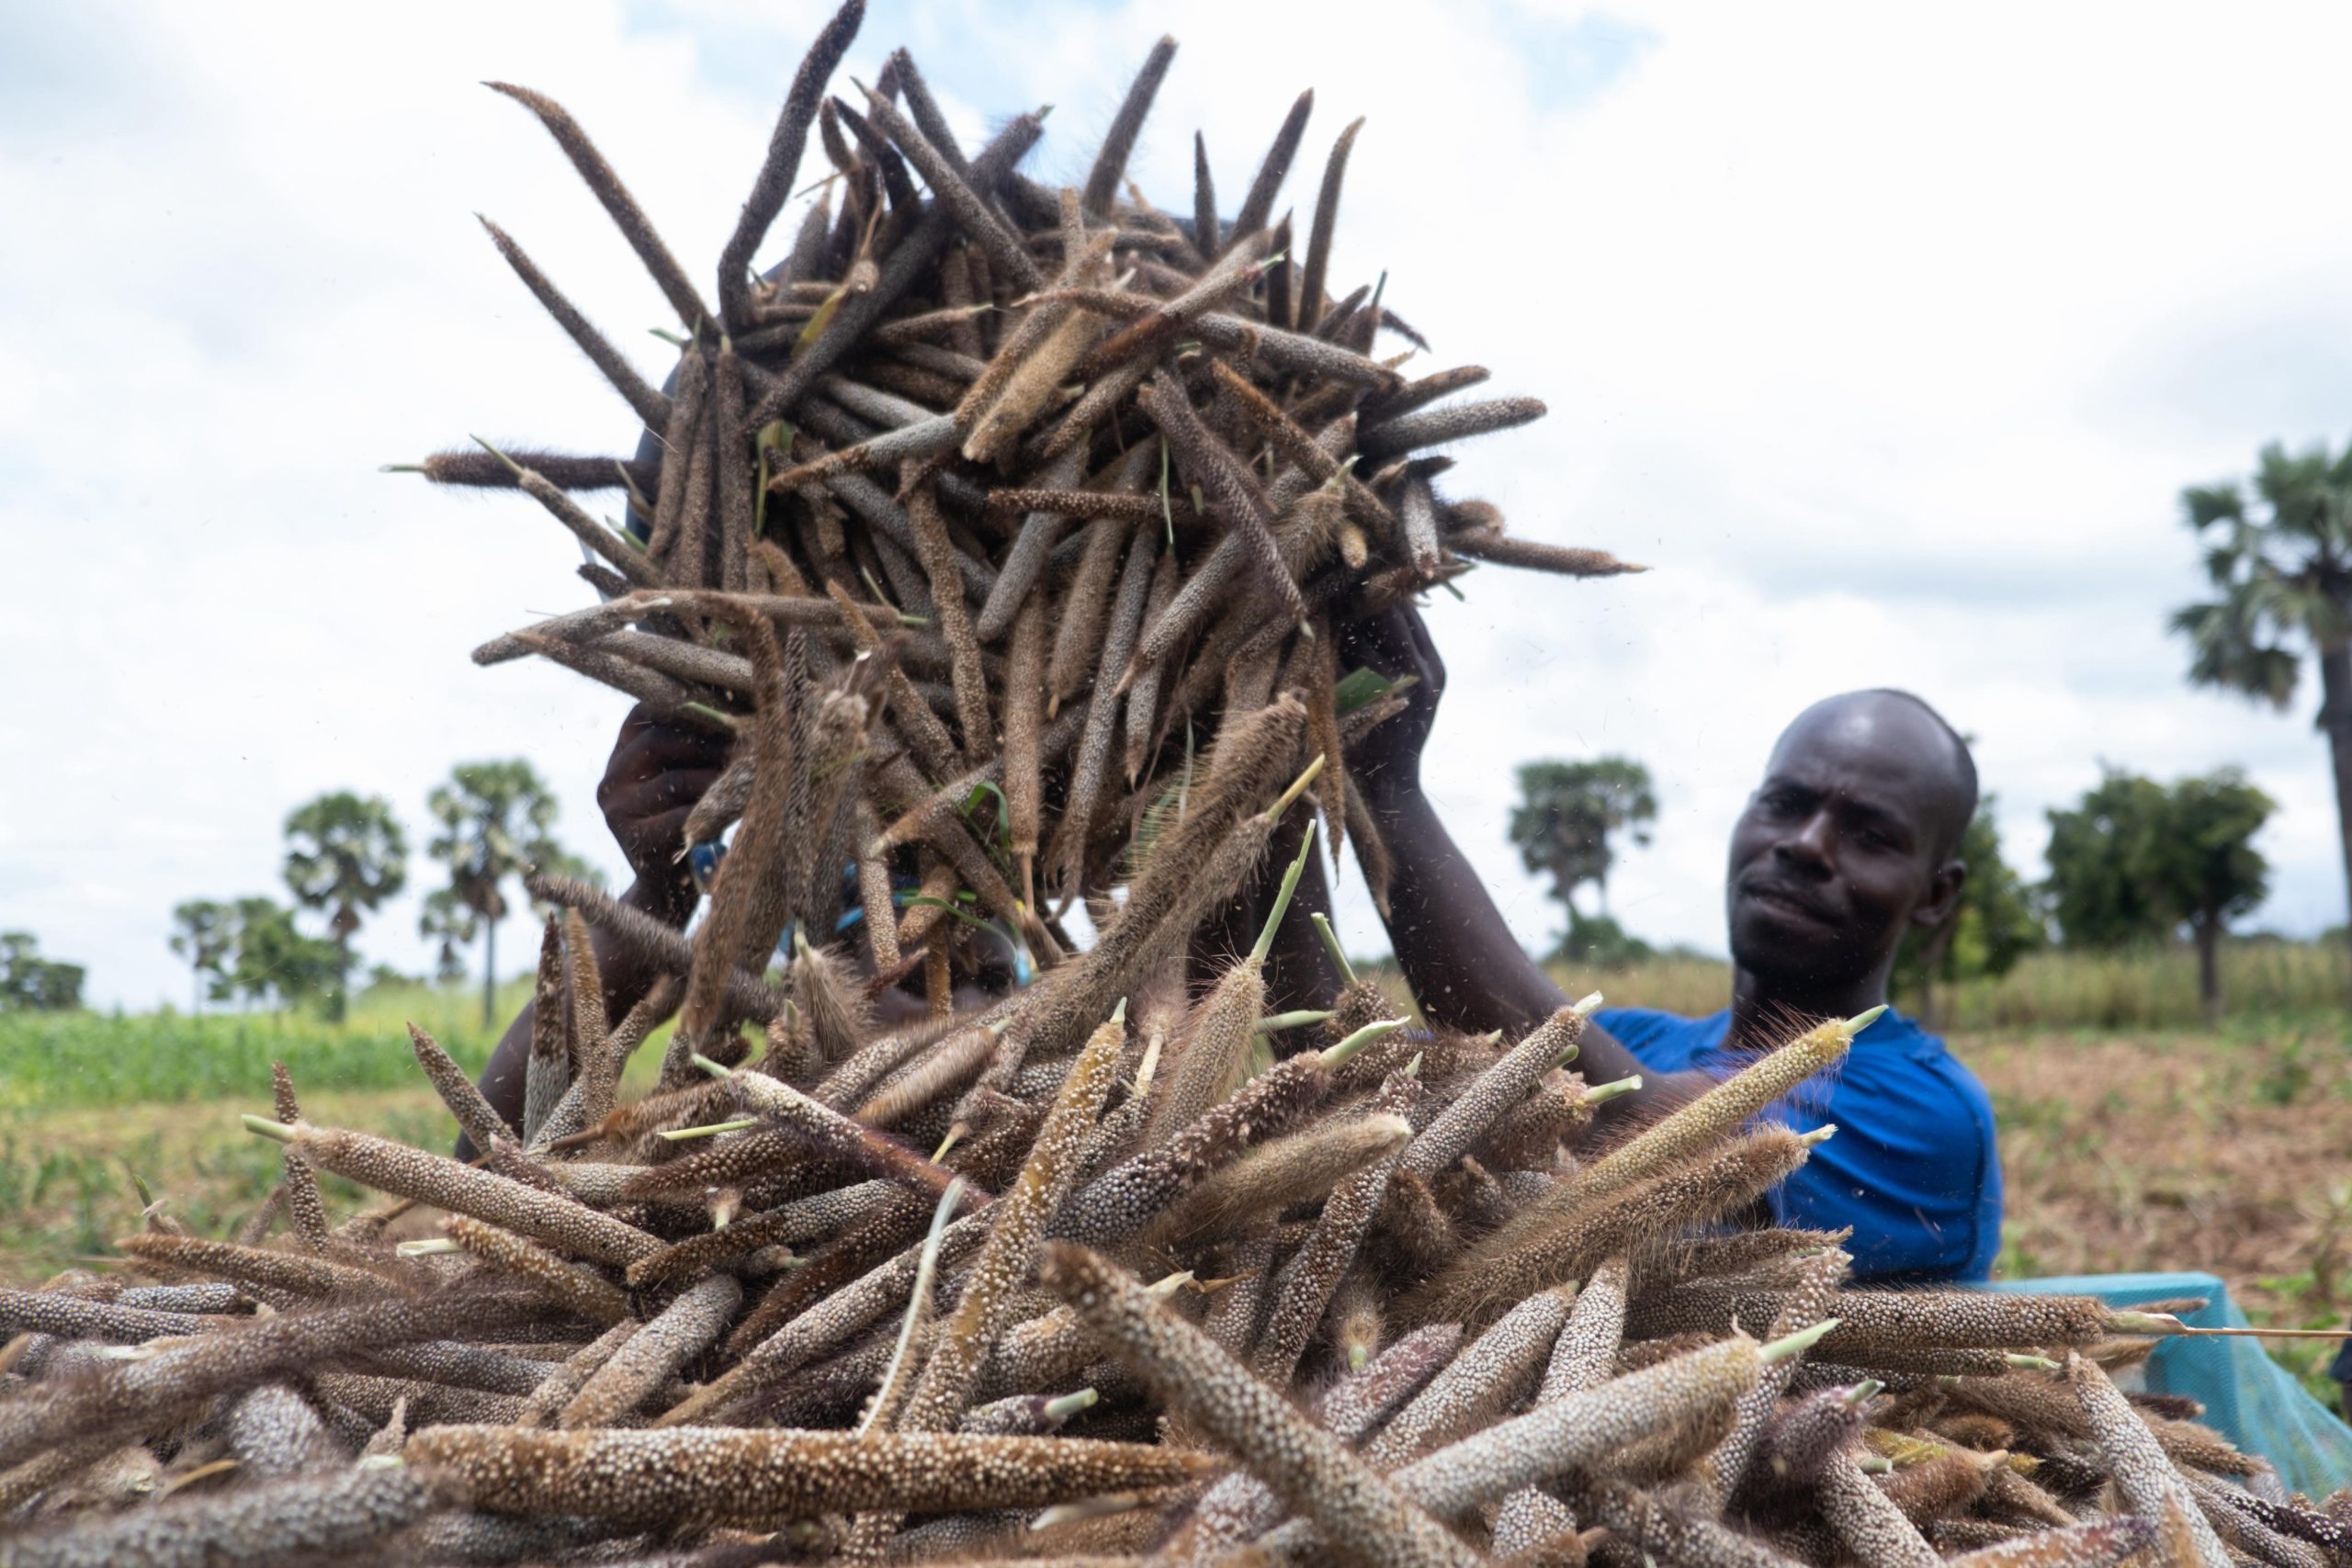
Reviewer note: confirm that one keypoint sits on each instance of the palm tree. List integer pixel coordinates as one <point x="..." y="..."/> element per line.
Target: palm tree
<point x="346" y="854"/>
<point x="2282" y="567"/>
<point x="496" y="820"/>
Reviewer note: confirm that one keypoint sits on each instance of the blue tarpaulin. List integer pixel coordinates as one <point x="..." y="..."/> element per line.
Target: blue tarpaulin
<point x="2248" y="1398"/>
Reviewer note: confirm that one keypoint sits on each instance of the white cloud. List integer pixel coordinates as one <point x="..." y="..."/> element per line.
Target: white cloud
<point x="1888" y="341"/>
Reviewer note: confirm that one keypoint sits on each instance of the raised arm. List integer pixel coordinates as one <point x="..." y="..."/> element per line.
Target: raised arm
<point x="1466" y="969"/>
<point x="657" y="773"/>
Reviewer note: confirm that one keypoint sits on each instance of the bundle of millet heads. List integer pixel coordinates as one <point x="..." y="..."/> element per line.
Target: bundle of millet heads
<point x="1087" y="480"/>
<point x="1101" y="1271"/>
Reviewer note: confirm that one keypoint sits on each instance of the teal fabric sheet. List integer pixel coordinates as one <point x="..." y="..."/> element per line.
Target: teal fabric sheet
<point x="2248" y="1397"/>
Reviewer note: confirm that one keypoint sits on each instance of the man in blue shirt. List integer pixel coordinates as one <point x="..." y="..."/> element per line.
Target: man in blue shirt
<point x="1847" y="846"/>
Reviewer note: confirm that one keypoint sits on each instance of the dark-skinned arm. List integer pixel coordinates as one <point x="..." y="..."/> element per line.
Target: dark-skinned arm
<point x="1466" y="969"/>
<point x="657" y="770"/>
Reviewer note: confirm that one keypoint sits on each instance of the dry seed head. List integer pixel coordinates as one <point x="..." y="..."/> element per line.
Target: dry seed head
<point x="122" y="1397"/>
<point x="1017" y="1227"/>
<point x="500" y="1200"/>
<point x="1490" y="1375"/>
<point x="1530" y="555"/>
<point x="481" y="1125"/>
<point x="284" y="1271"/>
<point x="1535" y="1529"/>
<point x="548" y="1069"/>
<point x="1311" y="300"/>
<point x="777" y="170"/>
<point x="1870" y="1524"/>
<point x="1803" y="1436"/>
<point x="579" y="1290"/>
<point x="1258" y="206"/>
<point x="77" y="1317"/>
<point x="1666" y="1532"/>
<point x="830" y="1135"/>
<point x="272" y="1431"/>
<point x="1937" y="1487"/>
<point x="1121" y="1201"/>
<point x="1305" y="1166"/>
<point x="1313" y="1275"/>
<point x="777" y="1351"/>
<point x="325" y="1514"/>
<point x="1512" y="1261"/>
<point x="2144" y="1474"/>
<point x="2094" y="1545"/>
<point x="1027" y="1415"/>
<point x="1499" y="1088"/>
<point x="1697" y="1125"/>
<point x="689" y="1476"/>
<point x="946" y="1066"/>
<point x="1304" y="1465"/>
<point x="1697" y="1391"/>
<point x="1111" y="163"/>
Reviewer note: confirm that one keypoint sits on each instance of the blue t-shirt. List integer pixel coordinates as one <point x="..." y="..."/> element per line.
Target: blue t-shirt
<point x="1912" y="1166"/>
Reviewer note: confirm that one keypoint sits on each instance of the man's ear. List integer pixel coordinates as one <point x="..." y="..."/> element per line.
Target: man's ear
<point x="1943" y="895"/>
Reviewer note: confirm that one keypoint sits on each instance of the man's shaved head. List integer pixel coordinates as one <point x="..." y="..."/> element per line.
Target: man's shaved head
<point x="1938" y="748"/>
<point x="1847" y="845"/>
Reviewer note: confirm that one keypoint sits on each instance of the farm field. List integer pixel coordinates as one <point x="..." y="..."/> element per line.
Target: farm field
<point x="2157" y="1145"/>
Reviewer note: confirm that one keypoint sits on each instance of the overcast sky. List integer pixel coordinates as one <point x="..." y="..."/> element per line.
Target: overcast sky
<point x="1888" y="341"/>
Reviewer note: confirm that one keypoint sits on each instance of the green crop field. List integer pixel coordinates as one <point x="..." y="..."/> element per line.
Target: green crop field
<point x="90" y="1058"/>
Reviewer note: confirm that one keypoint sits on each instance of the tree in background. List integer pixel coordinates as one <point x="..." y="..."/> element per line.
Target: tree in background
<point x="454" y="926"/>
<point x="2207" y="868"/>
<point x="2099" y="853"/>
<point x="204" y="933"/>
<point x="346" y="855"/>
<point x="1562" y="827"/>
<point x="2281" y="567"/>
<point x="273" y="960"/>
<point x="496" y="820"/>
<point x="2138" y="861"/>
<point x="1995" y="924"/>
<point x="29" y="983"/>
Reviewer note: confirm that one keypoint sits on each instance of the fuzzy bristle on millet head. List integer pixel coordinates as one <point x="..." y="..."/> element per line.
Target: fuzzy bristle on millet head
<point x="1504" y="1266"/>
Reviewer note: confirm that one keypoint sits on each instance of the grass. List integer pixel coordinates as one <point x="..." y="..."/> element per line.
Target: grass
<point x="57" y="1060"/>
<point x="66" y="1176"/>
<point x="2153" y="988"/>
<point x="2140" y="989"/>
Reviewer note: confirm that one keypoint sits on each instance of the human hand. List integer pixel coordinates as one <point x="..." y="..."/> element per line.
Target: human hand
<point x="1394" y="644"/>
<point x="659" y="768"/>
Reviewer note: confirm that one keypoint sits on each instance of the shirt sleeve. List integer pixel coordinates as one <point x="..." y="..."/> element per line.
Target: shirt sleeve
<point x="1910" y="1169"/>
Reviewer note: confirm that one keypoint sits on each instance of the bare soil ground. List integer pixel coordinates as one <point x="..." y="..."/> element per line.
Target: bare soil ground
<point x="2231" y="1153"/>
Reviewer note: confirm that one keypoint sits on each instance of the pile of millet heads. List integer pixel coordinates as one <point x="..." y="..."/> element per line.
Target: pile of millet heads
<point x="1105" y="1271"/>
<point x="1363" y="1304"/>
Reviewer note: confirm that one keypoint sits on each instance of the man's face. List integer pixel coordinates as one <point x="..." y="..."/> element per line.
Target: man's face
<point x="1839" y="851"/>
